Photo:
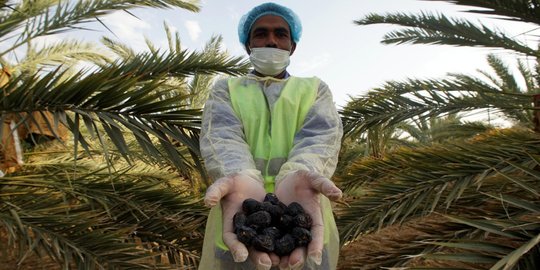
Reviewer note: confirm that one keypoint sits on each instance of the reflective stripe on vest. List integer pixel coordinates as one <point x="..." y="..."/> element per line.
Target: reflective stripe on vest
<point x="270" y="131"/>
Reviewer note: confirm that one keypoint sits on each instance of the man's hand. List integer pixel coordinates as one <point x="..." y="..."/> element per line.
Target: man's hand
<point x="305" y="187"/>
<point x="232" y="191"/>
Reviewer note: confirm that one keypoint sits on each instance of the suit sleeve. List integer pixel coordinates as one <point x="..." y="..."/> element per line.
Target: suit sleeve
<point x="222" y="142"/>
<point x="316" y="145"/>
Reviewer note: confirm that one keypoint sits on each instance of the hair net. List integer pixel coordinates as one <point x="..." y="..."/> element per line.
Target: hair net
<point x="246" y="22"/>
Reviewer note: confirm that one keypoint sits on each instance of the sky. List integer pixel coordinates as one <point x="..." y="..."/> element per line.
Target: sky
<point x="348" y="57"/>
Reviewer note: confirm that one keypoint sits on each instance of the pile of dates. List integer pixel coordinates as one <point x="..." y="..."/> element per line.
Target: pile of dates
<point x="272" y="226"/>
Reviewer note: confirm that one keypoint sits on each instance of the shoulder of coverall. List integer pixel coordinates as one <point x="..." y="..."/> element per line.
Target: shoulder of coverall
<point x="220" y="89"/>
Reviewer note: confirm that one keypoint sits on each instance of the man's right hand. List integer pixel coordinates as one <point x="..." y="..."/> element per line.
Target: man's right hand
<point x="232" y="191"/>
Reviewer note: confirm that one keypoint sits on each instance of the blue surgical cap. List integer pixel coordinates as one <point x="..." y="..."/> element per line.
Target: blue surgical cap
<point x="247" y="21"/>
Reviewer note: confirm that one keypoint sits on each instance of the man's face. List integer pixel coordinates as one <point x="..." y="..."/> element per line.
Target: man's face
<point x="271" y="31"/>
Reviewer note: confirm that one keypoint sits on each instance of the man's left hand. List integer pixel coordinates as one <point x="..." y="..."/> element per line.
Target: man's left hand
<point x="304" y="188"/>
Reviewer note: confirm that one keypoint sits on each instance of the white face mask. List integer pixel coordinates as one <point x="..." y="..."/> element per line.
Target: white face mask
<point x="269" y="61"/>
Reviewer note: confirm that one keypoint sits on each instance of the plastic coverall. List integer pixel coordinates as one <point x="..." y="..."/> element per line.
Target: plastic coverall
<point x="225" y="151"/>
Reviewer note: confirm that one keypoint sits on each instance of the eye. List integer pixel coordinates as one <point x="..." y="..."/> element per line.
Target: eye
<point x="282" y="33"/>
<point x="259" y="33"/>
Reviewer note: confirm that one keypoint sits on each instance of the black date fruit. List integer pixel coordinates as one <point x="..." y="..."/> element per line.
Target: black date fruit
<point x="239" y="220"/>
<point x="286" y="222"/>
<point x="303" y="221"/>
<point x="273" y="232"/>
<point x="259" y="219"/>
<point x="285" y="245"/>
<point x="274" y="210"/>
<point x="263" y="242"/>
<point x="250" y="206"/>
<point x="302" y="236"/>
<point x="272" y="226"/>
<point x="294" y="209"/>
<point x="245" y="235"/>
<point x="271" y="198"/>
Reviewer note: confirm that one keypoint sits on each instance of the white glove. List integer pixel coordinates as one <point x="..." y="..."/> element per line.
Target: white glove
<point x="305" y="188"/>
<point x="231" y="191"/>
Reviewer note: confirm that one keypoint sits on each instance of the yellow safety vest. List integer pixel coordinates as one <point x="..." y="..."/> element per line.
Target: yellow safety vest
<point x="270" y="131"/>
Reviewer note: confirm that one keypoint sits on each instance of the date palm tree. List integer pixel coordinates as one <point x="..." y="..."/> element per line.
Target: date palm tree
<point x="119" y="193"/>
<point x="465" y="203"/>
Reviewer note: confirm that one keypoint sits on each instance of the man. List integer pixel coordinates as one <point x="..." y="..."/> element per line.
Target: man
<point x="270" y="132"/>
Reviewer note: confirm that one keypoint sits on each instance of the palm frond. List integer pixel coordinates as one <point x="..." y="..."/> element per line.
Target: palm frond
<point x="51" y="19"/>
<point x="120" y="49"/>
<point x="93" y="218"/>
<point x="458" y="130"/>
<point x="439" y="29"/>
<point x="125" y="96"/>
<point x="174" y="43"/>
<point x="409" y="182"/>
<point x="200" y="85"/>
<point x="467" y="202"/>
<point x="400" y="101"/>
<point x="15" y="14"/>
<point x="528" y="77"/>
<point x="518" y="10"/>
<point x="508" y="81"/>
<point x="199" y="88"/>
<point x="401" y="246"/>
<point x="150" y="45"/>
<point x="440" y="129"/>
<point x="60" y="53"/>
<point x="487" y="189"/>
<point x="520" y="247"/>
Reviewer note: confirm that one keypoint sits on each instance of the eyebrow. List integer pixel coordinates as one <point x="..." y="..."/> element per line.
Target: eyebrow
<point x="262" y="28"/>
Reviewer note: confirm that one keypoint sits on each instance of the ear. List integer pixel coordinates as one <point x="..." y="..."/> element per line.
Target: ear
<point x="246" y="46"/>
<point x="293" y="47"/>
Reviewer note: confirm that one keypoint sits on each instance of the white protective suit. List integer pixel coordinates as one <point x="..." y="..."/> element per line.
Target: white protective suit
<point x="225" y="151"/>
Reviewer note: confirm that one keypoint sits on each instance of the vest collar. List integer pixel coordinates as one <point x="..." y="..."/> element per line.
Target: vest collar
<point x="251" y="75"/>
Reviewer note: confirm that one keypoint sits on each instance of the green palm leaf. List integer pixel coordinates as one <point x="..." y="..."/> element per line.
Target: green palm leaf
<point x="439" y="201"/>
<point x="471" y="180"/>
<point x="519" y="10"/>
<point x="52" y="17"/>
<point x="415" y="183"/>
<point x="111" y="198"/>
<point x="78" y="216"/>
<point x="65" y="52"/>
<point x="438" y="29"/>
<point x="120" y="49"/>
<point x="397" y="102"/>
<point x="124" y="97"/>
